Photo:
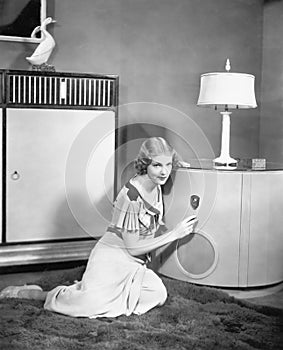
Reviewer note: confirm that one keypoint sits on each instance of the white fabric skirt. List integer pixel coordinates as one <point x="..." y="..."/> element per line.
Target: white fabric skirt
<point x="114" y="283"/>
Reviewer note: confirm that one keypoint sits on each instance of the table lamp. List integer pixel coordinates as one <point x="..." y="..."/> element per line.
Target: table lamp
<point x="226" y="91"/>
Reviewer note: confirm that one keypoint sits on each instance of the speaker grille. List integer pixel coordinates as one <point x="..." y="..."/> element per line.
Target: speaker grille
<point x="29" y="89"/>
<point x="197" y="255"/>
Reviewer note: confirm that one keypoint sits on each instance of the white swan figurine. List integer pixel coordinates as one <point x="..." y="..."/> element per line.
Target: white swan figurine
<point x="43" y="51"/>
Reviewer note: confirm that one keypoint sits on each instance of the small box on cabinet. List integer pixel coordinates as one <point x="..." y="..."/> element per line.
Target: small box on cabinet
<point x="258" y="163"/>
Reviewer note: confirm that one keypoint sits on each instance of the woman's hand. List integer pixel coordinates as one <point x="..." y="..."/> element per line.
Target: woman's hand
<point x="185" y="227"/>
<point x="136" y="246"/>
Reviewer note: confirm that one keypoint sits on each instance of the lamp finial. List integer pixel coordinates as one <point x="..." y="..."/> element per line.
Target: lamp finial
<point x="228" y="65"/>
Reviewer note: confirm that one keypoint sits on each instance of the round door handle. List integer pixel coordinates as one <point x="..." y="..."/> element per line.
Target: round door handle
<point x="15" y="176"/>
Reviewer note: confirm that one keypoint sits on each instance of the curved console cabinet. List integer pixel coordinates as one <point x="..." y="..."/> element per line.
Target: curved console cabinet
<point x="238" y="239"/>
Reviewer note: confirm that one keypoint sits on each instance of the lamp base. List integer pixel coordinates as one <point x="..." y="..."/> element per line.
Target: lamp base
<point x="225" y="162"/>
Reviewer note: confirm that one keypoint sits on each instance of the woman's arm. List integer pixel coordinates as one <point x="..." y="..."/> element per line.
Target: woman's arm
<point x="135" y="246"/>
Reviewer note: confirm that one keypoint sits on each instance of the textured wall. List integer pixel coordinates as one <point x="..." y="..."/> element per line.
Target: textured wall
<point x="271" y="121"/>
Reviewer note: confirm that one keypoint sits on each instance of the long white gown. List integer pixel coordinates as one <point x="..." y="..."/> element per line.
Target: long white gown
<point x="116" y="283"/>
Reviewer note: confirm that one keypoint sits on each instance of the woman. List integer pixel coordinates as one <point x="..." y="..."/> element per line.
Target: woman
<point x="116" y="280"/>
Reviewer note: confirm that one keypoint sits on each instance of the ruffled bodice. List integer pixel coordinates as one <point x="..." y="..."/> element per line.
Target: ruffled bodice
<point x="133" y="213"/>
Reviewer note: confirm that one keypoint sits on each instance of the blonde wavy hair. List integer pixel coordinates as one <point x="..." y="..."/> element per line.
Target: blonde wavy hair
<point x="152" y="147"/>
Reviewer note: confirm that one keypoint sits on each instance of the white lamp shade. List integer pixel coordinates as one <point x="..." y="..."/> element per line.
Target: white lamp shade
<point x="227" y="90"/>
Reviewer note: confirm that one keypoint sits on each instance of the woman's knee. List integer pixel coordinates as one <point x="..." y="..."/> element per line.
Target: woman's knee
<point x="155" y="286"/>
<point x="162" y="292"/>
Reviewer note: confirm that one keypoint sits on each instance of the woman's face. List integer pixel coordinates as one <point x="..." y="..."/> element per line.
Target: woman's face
<point x="159" y="169"/>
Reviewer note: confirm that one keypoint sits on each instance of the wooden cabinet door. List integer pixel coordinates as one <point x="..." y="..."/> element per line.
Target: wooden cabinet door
<point x="52" y="172"/>
<point x="265" y="230"/>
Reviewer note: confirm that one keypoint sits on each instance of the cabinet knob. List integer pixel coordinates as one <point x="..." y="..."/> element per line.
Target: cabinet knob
<point x="15" y="176"/>
<point x="195" y="201"/>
